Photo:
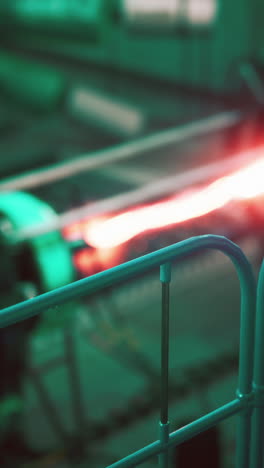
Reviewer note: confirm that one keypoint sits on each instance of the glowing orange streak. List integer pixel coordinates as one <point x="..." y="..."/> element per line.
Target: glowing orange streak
<point x="246" y="183"/>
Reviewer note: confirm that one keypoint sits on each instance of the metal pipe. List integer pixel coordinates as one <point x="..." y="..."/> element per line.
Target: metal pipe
<point x="165" y="352"/>
<point x="257" y="449"/>
<point x="156" y="189"/>
<point x="120" y="153"/>
<point x="165" y="279"/>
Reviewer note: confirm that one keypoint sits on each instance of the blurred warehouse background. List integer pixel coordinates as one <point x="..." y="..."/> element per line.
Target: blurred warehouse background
<point x="125" y="126"/>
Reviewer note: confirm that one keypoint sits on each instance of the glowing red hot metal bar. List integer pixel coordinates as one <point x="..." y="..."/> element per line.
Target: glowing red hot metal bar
<point x="103" y="233"/>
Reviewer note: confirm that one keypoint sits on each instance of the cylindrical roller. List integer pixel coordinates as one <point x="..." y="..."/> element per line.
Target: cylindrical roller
<point x="44" y="261"/>
<point x="51" y="254"/>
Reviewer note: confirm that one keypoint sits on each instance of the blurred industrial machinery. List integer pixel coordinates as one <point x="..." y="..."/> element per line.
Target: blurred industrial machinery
<point x="125" y="126"/>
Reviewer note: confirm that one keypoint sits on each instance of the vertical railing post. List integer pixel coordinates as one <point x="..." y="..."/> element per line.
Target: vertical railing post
<point x="246" y="359"/>
<point x="165" y="278"/>
<point x="257" y="444"/>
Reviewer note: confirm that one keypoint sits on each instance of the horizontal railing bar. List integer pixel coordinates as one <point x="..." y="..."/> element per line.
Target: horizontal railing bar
<point x="206" y="422"/>
<point x="181" y="435"/>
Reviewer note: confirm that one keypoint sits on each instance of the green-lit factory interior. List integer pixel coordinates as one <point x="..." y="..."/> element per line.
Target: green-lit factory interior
<point x="128" y="126"/>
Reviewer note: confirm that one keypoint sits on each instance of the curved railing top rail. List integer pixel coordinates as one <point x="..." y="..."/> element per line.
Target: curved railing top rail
<point x="99" y="281"/>
<point x="125" y="271"/>
<point x="163" y="258"/>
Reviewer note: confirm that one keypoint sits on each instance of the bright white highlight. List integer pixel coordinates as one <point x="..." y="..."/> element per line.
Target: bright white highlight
<point x="244" y="184"/>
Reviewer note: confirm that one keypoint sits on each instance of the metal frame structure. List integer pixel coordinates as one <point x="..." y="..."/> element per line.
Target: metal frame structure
<point x="249" y="401"/>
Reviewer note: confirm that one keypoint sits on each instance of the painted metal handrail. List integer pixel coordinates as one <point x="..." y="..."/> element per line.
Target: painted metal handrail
<point x="257" y="455"/>
<point x="246" y="395"/>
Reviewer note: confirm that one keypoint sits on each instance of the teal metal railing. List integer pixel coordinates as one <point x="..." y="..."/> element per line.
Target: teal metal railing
<point x="258" y="381"/>
<point x="249" y="398"/>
